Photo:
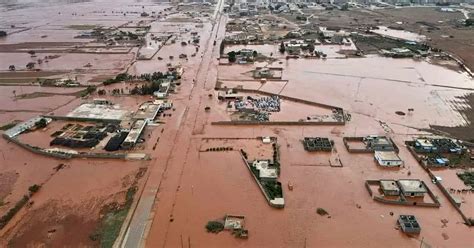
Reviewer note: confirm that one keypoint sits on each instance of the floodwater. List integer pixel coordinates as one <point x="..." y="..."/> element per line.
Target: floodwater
<point x="187" y="188"/>
<point x="400" y="34"/>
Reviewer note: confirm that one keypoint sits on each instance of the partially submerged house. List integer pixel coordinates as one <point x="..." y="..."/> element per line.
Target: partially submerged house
<point x="387" y="158"/>
<point x="389" y="187"/>
<point x="412" y="187"/>
<point x="409" y="224"/>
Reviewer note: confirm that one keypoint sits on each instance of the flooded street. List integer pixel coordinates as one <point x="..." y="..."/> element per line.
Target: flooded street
<point x="165" y="188"/>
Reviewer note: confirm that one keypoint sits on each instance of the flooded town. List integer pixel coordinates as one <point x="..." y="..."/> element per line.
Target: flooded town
<point x="236" y="123"/>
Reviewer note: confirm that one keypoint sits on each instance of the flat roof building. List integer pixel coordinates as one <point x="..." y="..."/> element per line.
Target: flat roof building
<point x="97" y="112"/>
<point x="387" y="158"/>
<point x="409" y="224"/>
<point x="412" y="187"/>
<point x="389" y="187"/>
<point x="147" y="111"/>
<point x="134" y="134"/>
<point x="379" y="143"/>
<point x="265" y="172"/>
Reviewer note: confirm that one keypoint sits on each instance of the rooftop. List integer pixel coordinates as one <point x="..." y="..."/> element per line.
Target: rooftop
<point x="98" y="112"/>
<point x="135" y="131"/>
<point x="412" y="186"/>
<point x="387" y="155"/>
<point x="147" y="111"/>
<point x="389" y="185"/>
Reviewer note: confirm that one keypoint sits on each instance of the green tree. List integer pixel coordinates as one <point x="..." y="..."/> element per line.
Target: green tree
<point x="282" y="47"/>
<point x="232" y="56"/>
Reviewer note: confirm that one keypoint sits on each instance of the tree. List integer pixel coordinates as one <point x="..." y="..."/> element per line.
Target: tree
<point x="282" y="47"/>
<point x="3" y="33"/>
<point x="41" y="123"/>
<point x="30" y="65"/>
<point x="255" y="54"/>
<point x="232" y="56"/>
<point x="31" y="52"/>
<point x="12" y="68"/>
<point x="469" y="22"/>
<point x="311" y="47"/>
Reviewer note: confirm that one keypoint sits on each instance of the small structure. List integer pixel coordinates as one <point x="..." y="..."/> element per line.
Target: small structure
<point x="236" y="224"/>
<point x="387" y="158"/>
<point x="266" y="140"/>
<point x="412" y="187"/>
<point x="424" y="145"/>
<point x="317" y="144"/>
<point x="147" y="111"/>
<point x="265" y="171"/>
<point x="24" y="126"/>
<point x="101" y="101"/>
<point x="379" y="143"/>
<point x="229" y="94"/>
<point x="409" y="224"/>
<point x="389" y="187"/>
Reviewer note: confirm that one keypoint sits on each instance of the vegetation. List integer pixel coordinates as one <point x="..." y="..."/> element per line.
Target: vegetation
<point x="11" y="68"/>
<point x="282" y="47"/>
<point x="214" y="226"/>
<point x="3" y="33"/>
<point x="119" y="78"/>
<point x="273" y="189"/>
<point x="30" y="65"/>
<point x="469" y="22"/>
<point x="12" y="211"/>
<point x="34" y="188"/>
<point x="468" y="178"/>
<point x="88" y="90"/>
<point x="112" y="221"/>
<point x="7" y="126"/>
<point x="41" y="123"/>
<point x="232" y="56"/>
<point x="321" y="211"/>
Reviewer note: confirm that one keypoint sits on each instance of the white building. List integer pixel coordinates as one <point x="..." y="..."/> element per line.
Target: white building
<point x="265" y="172"/>
<point x="387" y="158"/>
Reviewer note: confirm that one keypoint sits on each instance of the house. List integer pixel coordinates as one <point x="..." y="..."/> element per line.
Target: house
<point x="134" y="134"/>
<point x="425" y="145"/>
<point x="412" y="187"/>
<point x="379" y="143"/>
<point x="387" y="158"/>
<point x="389" y="187"/>
<point x="409" y="224"/>
<point x="265" y="171"/>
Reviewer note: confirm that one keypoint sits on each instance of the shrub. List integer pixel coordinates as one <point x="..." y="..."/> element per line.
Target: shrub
<point x="214" y="226"/>
<point x="34" y="188"/>
<point x="321" y="211"/>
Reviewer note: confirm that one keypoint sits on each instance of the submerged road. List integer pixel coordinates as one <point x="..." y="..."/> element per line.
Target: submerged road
<point x="170" y="159"/>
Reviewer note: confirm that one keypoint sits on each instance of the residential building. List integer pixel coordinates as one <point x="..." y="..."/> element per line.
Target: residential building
<point x="412" y="187"/>
<point x="389" y="187"/>
<point x="387" y="158"/>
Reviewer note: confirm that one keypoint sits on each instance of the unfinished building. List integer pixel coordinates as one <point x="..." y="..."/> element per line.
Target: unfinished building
<point x="312" y="144"/>
<point x="409" y="224"/>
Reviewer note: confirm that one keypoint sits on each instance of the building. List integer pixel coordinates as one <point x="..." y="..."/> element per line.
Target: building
<point x="412" y="187"/>
<point x="409" y="224"/>
<point x="424" y="145"/>
<point x="389" y="187"/>
<point x="228" y="95"/>
<point x="265" y="171"/>
<point x="24" y="126"/>
<point x="379" y="143"/>
<point x="387" y="158"/>
<point x="147" y="111"/>
<point x="134" y="134"/>
<point x="96" y="112"/>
